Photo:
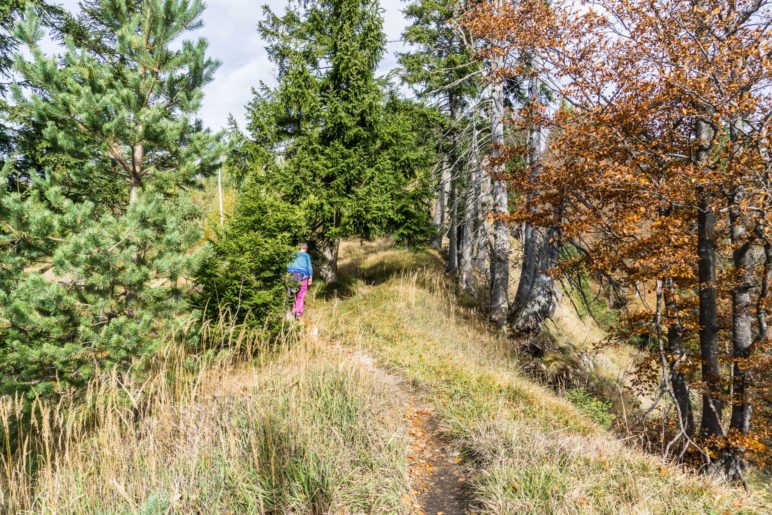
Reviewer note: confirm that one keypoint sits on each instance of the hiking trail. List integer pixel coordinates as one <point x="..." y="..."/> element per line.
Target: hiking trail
<point x="437" y="476"/>
<point x="453" y="385"/>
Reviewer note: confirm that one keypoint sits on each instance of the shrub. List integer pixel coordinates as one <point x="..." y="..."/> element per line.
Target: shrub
<point x="245" y="270"/>
<point x="100" y="291"/>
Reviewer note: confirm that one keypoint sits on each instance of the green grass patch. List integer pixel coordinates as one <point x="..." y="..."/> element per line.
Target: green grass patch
<point x="598" y="410"/>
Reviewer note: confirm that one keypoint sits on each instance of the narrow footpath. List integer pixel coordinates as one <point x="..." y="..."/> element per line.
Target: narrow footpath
<point x="437" y="476"/>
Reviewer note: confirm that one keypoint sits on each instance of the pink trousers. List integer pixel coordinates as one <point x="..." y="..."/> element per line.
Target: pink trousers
<point x="300" y="299"/>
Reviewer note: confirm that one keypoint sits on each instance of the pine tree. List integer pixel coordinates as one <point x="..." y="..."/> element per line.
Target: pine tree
<point x="96" y="245"/>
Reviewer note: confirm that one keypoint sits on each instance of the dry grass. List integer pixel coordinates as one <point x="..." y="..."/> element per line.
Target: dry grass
<point x="306" y="431"/>
<point x="533" y="452"/>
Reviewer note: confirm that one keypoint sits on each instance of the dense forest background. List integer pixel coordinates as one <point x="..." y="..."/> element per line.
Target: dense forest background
<point x="615" y="156"/>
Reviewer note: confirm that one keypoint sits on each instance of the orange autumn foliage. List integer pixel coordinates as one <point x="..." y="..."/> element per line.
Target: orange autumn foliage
<point x="660" y="120"/>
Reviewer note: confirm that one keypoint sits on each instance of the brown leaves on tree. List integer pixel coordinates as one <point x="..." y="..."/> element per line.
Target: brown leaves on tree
<point x="661" y="111"/>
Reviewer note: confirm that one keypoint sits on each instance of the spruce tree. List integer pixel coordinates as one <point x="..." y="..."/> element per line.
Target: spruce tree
<point x="97" y="246"/>
<point x="243" y="278"/>
<point x="328" y="120"/>
<point x="10" y="12"/>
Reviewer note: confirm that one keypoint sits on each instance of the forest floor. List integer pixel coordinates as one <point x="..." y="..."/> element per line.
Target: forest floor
<point x="392" y="397"/>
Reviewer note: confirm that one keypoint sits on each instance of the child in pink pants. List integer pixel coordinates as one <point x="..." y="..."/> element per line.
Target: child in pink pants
<point x="302" y="272"/>
<point x="300" y="298"/>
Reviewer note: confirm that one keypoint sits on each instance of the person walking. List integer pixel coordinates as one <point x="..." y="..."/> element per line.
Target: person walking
<point x="302" y="273"/>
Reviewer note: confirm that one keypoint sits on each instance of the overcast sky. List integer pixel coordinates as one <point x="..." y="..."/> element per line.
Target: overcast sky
<point x="231" y="28"/>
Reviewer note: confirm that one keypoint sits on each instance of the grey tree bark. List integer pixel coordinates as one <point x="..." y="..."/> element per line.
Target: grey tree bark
<point x="471" y="216"/>
<point x="452" y="264"/>
<point x="441" y="204"/>
<point x="500" y="250"/>
<point x="453" y="102"/>
<point x="712" y="405"/>
<point x="484" y="233"/>
<point x="742" y="306"/>
<point x="742" y="314"/>
<point x="742" y="329"/>
<point x="763" y="307"/>
<point x="536" y="296"/>
<point x="676" y="357"/>
<point x="328" y="254"/>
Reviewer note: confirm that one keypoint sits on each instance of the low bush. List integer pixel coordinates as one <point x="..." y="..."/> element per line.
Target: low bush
<point x="245" y="270"/>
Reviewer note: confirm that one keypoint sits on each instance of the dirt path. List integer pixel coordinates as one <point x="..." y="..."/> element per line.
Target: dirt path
<point x="437" y="476"/>
<point x="439" y="479"/>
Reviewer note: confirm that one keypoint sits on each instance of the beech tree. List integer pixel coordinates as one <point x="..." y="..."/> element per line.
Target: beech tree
<point x="536" y="297"/>
<point x="515" y="63"/>
<point x="500" y="200"/>
<point x="658" y="170"/>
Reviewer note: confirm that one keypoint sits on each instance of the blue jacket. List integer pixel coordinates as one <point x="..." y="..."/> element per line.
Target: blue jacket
<point x="301" y="264"/>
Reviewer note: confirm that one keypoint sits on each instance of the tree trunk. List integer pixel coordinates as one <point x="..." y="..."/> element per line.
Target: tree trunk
<point x="440" y="206"/>
<point x="742" y="325"/>
<point x="483" y="237"/>
<point x="454" y="177"/>
<point x="134" y="188"/>
<point x="500" y="251"/>
<point x="676" y="356"/>
<point x="137" y="155"/>
<point x="536" y="296"/>
<point x="706" y="249"/>
<point x="452" y="265"/>
<point x="471" y="215"/>
<point x="742" y="315"/>
<point x="763" y="306"/>
<point x="712" y="403"/>
<point x="328" y="255"/>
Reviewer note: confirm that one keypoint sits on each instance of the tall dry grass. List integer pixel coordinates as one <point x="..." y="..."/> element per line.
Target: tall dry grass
<point x="300" y="430"/>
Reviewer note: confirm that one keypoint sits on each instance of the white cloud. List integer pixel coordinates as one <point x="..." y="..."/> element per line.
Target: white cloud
<point x="230" y="26"/>
<point x="231" y="90"/>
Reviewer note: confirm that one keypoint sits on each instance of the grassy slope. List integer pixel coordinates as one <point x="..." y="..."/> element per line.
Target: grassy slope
<point x="308" y="429"/>
<point x="533" y="452"/>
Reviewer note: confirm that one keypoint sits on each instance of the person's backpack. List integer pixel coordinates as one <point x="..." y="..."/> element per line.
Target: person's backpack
<point x="294" y="286"/>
